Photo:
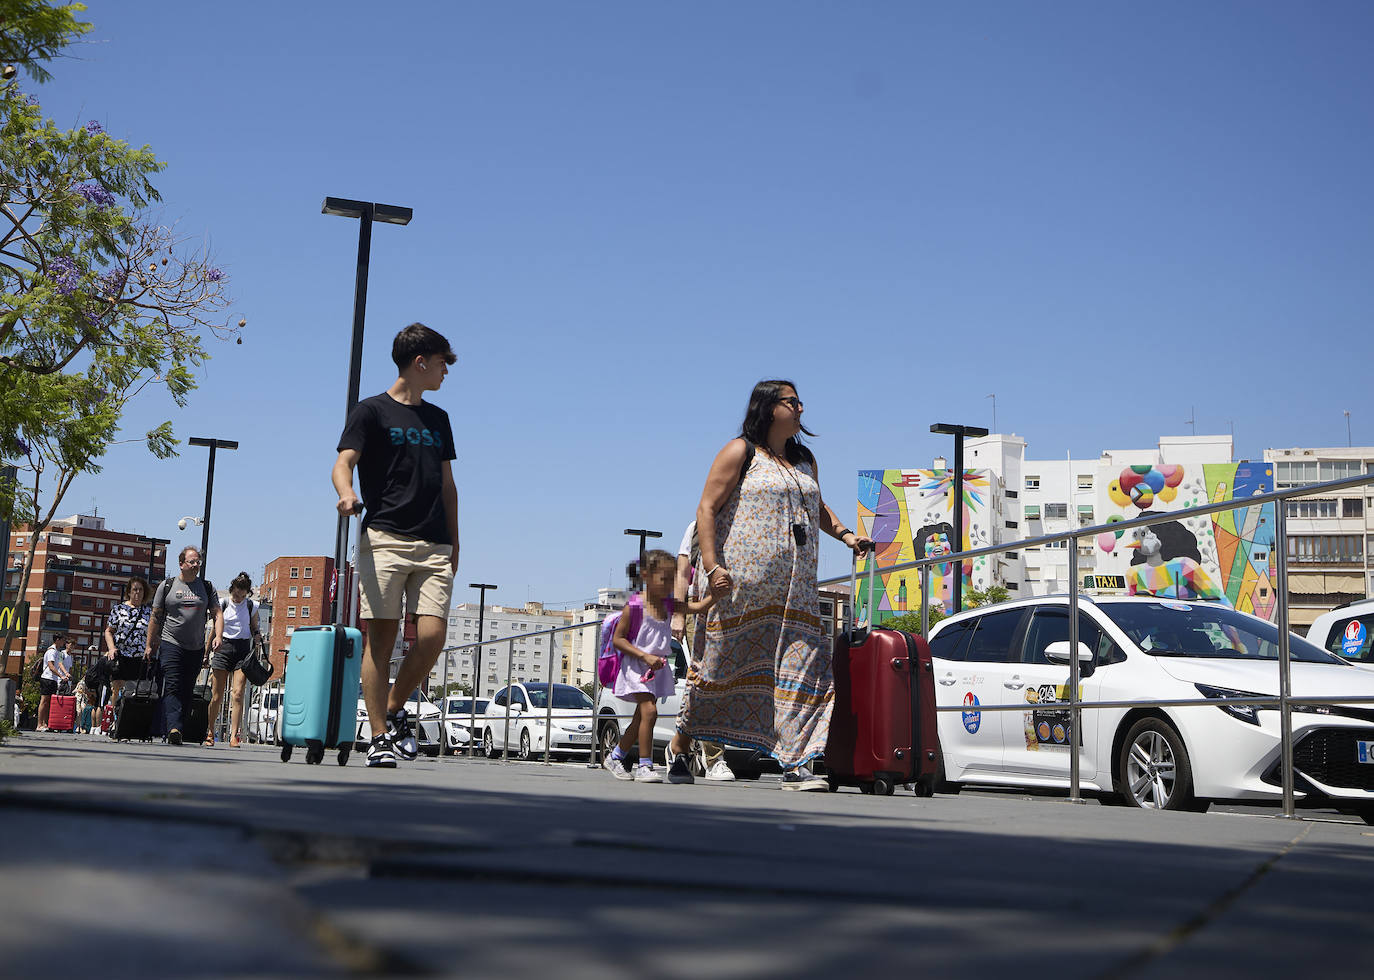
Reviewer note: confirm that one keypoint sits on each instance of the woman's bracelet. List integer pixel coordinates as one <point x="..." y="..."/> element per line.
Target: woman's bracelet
<point x="714" y="570"/>
<point x="843" y="532"/>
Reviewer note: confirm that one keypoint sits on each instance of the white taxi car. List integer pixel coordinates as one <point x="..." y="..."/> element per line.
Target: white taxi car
<point x="1347" y="631"/>
<point x="1138" y="648"/>
<point x="569" y="721"/>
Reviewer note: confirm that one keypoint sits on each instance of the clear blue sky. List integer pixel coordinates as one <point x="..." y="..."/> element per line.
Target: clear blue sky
<point x="628" y="213"/>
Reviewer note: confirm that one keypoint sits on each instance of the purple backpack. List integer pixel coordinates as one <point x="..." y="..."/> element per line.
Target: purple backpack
<point x="608" y="663"/>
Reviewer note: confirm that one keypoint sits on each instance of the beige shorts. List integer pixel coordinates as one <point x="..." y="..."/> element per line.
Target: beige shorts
<point x="392" y="568"/>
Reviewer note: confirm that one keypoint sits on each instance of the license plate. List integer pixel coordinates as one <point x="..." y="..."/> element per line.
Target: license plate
<point x="588" y="739"/>
<point x="1365" y="751"/>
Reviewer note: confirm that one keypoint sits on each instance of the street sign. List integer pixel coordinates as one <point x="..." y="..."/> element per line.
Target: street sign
<point x="14" y="619"/>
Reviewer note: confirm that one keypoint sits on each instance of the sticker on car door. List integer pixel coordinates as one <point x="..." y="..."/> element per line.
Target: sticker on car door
<point x="1048" y="727"/>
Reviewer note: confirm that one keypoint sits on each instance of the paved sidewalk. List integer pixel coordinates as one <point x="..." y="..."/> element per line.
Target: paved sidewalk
<point x="220" y="862"/>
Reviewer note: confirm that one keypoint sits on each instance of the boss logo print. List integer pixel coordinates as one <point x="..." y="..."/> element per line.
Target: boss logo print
<point x="416" y="437"/>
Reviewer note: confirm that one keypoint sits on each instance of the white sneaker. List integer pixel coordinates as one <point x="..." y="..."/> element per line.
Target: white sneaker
<point x="720" y="772"/>
<point x="616" y="767"/>
<point x="647" y="774"/>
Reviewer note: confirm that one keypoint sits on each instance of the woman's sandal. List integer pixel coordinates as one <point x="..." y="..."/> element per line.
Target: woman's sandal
<point x="235" y="743"/>
<point x="209" y="742"/>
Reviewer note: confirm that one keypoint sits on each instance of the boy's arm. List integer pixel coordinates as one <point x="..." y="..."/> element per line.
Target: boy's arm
<point x="342" y="475"/>
<point x="450" y="492"/>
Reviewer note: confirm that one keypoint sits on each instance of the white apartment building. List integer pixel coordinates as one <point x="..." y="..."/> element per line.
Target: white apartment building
<point x="1329" y="536"/>
<point x="525" y="654"/>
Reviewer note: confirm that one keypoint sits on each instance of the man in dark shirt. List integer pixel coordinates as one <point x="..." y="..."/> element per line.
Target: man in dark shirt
<point x="402" y="447"/>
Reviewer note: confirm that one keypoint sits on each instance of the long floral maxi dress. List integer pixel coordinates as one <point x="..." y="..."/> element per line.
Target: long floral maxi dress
<point x="765" y="680"/>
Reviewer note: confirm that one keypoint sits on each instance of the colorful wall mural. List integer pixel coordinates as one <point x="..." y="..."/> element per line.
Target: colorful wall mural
<point x="1227" y="555"/>
<point x="911" y="512"/>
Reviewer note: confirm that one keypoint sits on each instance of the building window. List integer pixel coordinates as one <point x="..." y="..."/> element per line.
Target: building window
<point x="290" y="630"/>
<point x="1335" y="549"/>
<point x="1352" y="507"/>
<point x="87" y="584"/>
<point x="126" y="551"/>
<point x="291" y="592"/>
<point x="1011" y="524"/>
<point x="1032" y="483"/>
<point x="100" y="547"/>
<point x="1085" y="481"/>
<point x="305" y="612"/>
<point x="295" y="572"/>
<point x="290" y="612"/>
<point x="87" y="546"/>
<point x="1312" y="507"/>
<point x="305" y="592"/>
<point x="1056" y="512"/>
<point x="1341" y="469"/>
<point x="309" y="572"/>
<point x="1294" y="474"/>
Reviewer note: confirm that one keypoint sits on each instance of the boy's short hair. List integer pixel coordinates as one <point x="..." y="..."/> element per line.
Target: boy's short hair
<point x="418" y="340"/>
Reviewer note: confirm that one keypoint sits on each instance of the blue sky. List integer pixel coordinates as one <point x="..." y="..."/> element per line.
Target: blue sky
<point x="1109" y="215"/>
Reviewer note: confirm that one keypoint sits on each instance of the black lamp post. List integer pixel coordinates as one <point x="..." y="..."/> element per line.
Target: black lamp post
<point x="960" y="433"/>
<point x="366" y="212"/>
<point x="641" y="533"/>
<point x="482" y="588"/>
<point x="213" y="444"/>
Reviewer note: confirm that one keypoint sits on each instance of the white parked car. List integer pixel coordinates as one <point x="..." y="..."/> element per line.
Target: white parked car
<point x="260" y="717"/>
<point x="570" y="721"/>
<point x="421" y="708"/>
<point x="460" y="732"/>
<point x="1137" y="648"/>
<point x="1347" y="631"/>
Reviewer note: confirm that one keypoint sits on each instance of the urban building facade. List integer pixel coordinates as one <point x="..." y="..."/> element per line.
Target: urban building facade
<point x="296" y="589"/>
<point x="79" y="571"/>
<point x="526" y="653"/>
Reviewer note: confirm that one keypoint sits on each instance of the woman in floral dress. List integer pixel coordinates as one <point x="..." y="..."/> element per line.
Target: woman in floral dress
<point x="763" y="680"/>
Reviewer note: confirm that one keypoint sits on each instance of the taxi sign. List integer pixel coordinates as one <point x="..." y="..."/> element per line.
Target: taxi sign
<point x="1104" y="581"/>
<point x="1353" y="640"/>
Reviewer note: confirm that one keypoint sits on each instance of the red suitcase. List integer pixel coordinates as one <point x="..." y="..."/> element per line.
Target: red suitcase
<point x="884" y="691"/>
<point x="62" y="713"/>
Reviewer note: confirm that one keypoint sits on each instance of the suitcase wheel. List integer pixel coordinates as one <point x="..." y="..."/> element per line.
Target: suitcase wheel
<point x="882" y="786"/>
<point x="314" y="754"/>
<point x="344" y="751"/>
<point x="285" y="753"/>
<point x="832" y="784"/>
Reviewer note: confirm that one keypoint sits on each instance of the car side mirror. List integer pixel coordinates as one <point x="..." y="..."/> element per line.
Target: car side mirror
<point x="1058" y="653"/>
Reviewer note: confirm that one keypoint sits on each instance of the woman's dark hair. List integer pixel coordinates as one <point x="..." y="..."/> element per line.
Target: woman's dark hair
<point x="129" y="589"/>
<point x="759" y="416"/>
<point x="418" y="340"/>
<point x="242" y="581"/>
<point x="1175" y="541"/>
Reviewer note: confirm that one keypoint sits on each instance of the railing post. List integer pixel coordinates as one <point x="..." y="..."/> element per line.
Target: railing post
<point x="923" y="576"/>
<point x="548" y="702"/>
<point x="1285" y="654"/>
<point x="443" y="707"/>
<point x="1075" y="713"/>
<point x="510" y="670"/>
<point x="595" y="757"/>
<point x="472" y="725"/>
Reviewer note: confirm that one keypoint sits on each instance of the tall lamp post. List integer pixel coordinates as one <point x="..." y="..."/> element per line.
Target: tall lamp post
<point x="482" y="588"/>
<point x="213" y="444"/>
<point x="641" y="533"/>
<point x="956" y="487"/>
<point x="366" y="212"/>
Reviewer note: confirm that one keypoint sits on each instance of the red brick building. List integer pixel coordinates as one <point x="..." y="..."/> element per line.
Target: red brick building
<point x="297" y="587"/>
<point x="79" y="571"/>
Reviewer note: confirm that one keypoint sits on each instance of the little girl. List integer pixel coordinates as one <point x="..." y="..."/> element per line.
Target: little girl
<point x="644" y="672"/>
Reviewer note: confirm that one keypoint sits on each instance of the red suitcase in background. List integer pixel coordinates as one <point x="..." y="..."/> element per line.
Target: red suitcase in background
<point x="62" y="713"/>
<point x="884" y="691"/>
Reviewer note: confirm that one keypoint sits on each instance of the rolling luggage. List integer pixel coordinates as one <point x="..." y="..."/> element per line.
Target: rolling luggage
<point x="195" y="724"/>
<point x="62" y="713"/>
<point x="323" y="674"/>
<point x="884" y="692"/>
<point x="137" y="711"/>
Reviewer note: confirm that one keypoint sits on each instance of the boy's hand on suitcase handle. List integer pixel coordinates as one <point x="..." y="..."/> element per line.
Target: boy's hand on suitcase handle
<point x="349" y="505"/>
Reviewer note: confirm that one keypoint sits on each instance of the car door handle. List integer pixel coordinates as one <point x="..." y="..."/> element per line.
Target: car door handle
<point x="946" y="680"/>
<point x="1014" y="682"/>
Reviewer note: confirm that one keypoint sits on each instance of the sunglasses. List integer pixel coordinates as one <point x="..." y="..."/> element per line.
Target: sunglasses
<point x="793" y="401"/>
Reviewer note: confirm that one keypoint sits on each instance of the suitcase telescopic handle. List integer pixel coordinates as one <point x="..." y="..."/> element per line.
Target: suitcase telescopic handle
<point x="854" y="590"/>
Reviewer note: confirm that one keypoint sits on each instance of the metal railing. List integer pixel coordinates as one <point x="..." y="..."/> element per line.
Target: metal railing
<point x="1284" y="702"/>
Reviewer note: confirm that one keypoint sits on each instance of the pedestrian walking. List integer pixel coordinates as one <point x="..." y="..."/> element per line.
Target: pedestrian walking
<point x="402" y="448"/>
<point x="182" y="608"/>
<point x="241" y="632"/>
<point x="643" y="636"/>
<point x="690" y="586"/>
<point x="126" y="633"/>
<point x="765" y="677"/>
<point x="57" y="670"/>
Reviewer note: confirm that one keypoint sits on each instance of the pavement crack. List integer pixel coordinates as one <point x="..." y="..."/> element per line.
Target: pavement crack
<point x="1179" y="934"/>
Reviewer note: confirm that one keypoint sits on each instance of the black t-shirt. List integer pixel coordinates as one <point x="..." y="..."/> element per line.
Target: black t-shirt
<point x="401" y="470"/>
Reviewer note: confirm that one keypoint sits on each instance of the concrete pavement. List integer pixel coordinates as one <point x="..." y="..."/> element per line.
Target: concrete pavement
<point x="223" y="862"/>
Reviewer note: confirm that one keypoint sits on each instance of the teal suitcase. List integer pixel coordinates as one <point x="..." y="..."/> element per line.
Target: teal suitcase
<point x="320" y="706"/>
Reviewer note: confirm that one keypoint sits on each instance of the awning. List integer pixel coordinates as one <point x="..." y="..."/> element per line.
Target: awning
<point x="1032" y="511"/>
<point x="1086" y="509"/>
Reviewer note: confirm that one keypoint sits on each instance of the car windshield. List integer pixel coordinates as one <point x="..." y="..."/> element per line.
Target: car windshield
<point x="270" y="701"/>
<point x="464" y="705"/>
<point x="1179" y="629"/>
<point x="564" y="696"/>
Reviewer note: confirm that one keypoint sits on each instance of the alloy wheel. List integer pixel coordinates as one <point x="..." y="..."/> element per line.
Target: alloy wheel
<point x="1151" y="770"/>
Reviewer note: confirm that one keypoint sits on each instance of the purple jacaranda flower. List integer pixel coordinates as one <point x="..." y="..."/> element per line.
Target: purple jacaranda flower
<point x="31" y="99"/>
<point x="94" y="128"/>
<point x="23" y="446"/>
<point x="96" y="194"/>
<point x="64" y="275"/>
<point x="213" y="275"/>
<point x="112" y="283"/>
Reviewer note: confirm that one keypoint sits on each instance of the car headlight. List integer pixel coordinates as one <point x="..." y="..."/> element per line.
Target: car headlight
<point x="1248" y="713"/>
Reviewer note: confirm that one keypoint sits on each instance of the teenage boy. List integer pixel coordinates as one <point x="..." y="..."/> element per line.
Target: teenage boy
<point x="57" y="667"/>
<point x="182" y="606"/>
<point x="402" y="447"/>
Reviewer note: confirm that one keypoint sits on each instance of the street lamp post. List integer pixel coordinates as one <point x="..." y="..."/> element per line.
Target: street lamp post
<point x="366" y="212"/>
<point x="213" y="445"/>
<point x="956" y="487"/>
<point x="482" y="588"/>
<point x="641" y="533"/>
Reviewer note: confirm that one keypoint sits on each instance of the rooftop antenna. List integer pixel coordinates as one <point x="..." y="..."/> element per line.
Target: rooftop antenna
<point x="1192" y="418"/>
<point x="994" y="412"/>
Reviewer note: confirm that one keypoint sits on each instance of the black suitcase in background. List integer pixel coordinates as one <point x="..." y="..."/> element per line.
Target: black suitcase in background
<point x="195" y="722"/>
<point x="137" y="710"/>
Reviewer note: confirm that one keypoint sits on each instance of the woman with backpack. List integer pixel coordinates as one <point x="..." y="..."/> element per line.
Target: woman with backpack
<point x="125" y="632"/>
<point x="764" y="675"/>
<point x="241" y="631"/>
